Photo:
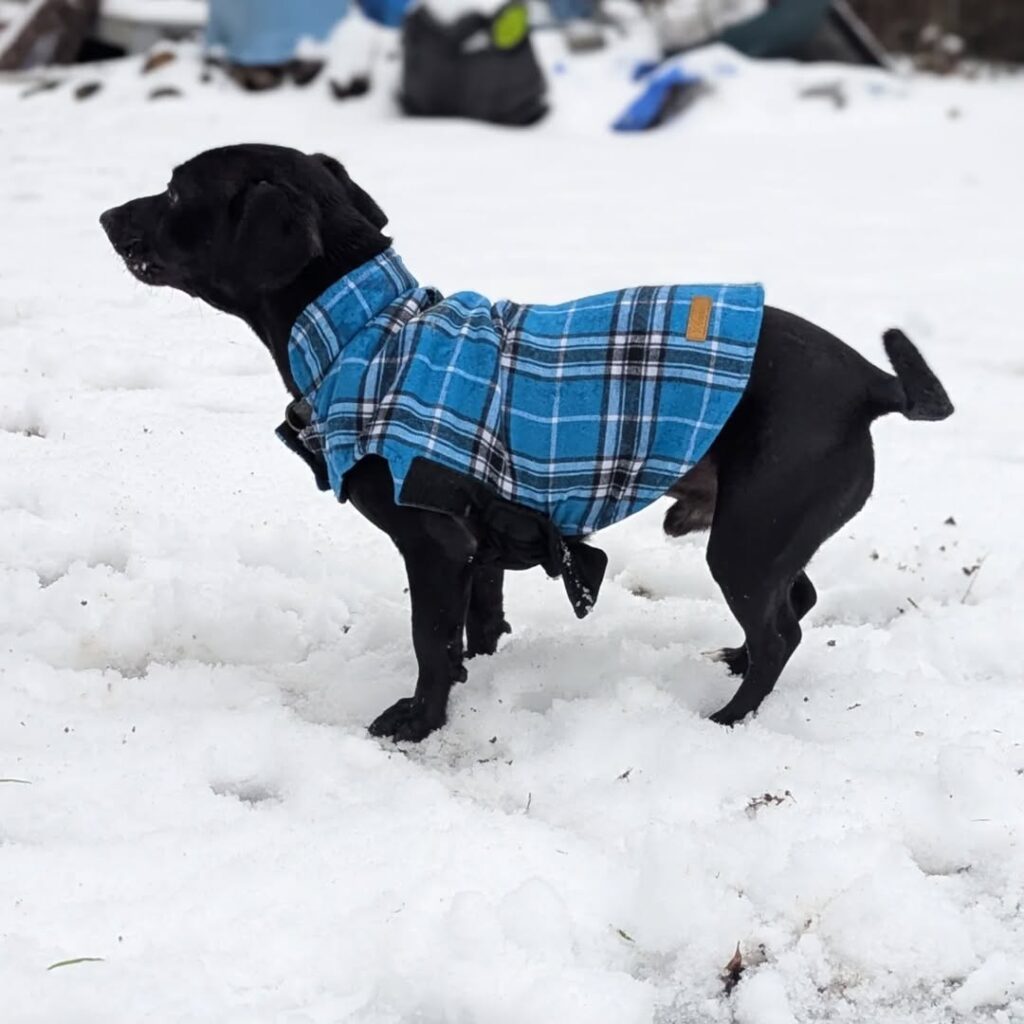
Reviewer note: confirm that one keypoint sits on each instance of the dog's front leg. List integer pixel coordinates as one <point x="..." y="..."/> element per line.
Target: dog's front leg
<point x="485" y="620"/>
<point x="438" y="551"/>
<point x="439" y="590"/>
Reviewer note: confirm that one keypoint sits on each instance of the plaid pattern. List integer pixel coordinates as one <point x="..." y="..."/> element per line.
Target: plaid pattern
<point x="586" y="411"/>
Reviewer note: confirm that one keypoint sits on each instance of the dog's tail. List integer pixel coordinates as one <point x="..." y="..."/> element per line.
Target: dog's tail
<point x="915" y="391"/>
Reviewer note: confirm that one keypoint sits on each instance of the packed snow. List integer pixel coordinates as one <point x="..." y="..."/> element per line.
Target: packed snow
<point x="194" y="823"/>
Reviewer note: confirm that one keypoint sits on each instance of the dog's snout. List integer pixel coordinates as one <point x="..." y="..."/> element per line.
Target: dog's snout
<point x="119" y="222"/>
<point x="108" y="219"/>
<point x="122" y="233"/>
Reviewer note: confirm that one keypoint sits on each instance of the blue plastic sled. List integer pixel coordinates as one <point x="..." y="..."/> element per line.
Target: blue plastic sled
<point x="666" y="94"/>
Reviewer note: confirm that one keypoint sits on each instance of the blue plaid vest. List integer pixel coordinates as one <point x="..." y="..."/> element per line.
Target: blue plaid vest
<point x="584" y="412"/>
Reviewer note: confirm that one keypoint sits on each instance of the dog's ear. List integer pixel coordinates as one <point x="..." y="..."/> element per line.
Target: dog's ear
<point x="360" y="199"/>
<point x="277" y="236"/>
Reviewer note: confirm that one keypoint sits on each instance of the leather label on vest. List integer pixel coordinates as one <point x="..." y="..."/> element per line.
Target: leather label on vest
<point x="700" y="318"/>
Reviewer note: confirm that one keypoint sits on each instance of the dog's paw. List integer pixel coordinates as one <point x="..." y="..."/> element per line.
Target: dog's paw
<point x="729" y="715"/>
<point x="483" y="637"/>
<point x="409" y="720"/>
<point x="736" y="659"/>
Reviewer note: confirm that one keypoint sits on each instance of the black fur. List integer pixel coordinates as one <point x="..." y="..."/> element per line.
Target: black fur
<point x="260" y="231"/>
<point x="924" y="398"/>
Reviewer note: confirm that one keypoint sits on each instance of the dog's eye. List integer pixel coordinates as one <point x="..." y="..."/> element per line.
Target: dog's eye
<point x="172" y="196"/>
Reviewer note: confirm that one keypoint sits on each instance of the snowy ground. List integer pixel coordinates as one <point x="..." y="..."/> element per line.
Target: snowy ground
<point x="193" y="639"/>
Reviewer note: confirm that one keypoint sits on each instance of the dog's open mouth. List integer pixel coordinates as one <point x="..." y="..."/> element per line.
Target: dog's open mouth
<point x="145" y="270"/>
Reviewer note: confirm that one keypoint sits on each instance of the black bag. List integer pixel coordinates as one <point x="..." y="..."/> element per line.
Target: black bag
<point x="480" y="66"/>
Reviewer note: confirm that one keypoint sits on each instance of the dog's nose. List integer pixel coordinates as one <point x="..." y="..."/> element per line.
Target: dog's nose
<point x="125" y="241"/>
<point x="108" y="218"/>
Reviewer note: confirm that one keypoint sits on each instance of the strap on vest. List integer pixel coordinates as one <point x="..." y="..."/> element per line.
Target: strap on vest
<point x="296" y="419"/>
<point x="513" y="536"/>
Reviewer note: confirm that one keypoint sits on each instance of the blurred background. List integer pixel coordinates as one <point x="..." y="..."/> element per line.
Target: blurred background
<point x="992" y="29"/>
<point x="269" y="37"/>
<point x="494" y="60"/>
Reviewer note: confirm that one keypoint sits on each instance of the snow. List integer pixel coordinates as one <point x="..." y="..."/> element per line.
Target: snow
<point x="191" y="13"/>
<point x="10" y="9"/>
<point x="352" y="48"/>
<point x="193" y="639"/>
<point x="685" y="23"/>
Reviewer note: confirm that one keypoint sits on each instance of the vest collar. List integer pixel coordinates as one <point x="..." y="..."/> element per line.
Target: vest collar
<point x="330" y="321"/>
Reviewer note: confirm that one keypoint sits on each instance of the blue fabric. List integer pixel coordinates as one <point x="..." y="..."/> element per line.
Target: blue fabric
<point x="255" y="32"/>
<point x="586" y="411"/>
<point x="651" y="106"/>
<point x="572" y="10"/>
<point x="386" y="12"/>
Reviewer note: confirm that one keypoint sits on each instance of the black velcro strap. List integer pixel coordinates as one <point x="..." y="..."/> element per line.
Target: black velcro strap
<point x="315" y="460"/>
<point x="298" y="415"/>
<point x="512" y="536"/>
<point x="583" y="573"/>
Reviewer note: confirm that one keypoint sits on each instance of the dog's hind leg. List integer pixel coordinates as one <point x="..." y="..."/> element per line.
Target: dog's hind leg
<point x="767" y="527"/>
<point x="772" y="631"/>
<point x="802" y="598"/>
<point x="802" y="595"/>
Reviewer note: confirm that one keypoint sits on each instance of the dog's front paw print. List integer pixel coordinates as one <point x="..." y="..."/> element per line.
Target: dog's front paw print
<point x="408" y="719"/>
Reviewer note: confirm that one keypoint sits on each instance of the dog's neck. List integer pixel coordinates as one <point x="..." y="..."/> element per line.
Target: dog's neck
<point x="272" y="316"/>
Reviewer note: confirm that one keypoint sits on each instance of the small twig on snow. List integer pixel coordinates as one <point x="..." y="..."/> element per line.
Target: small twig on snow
<point x="974" y="579"/>
<point x="733" y="971"/>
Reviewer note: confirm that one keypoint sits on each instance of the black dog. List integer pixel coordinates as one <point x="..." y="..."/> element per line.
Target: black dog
<point x="261" y="231"/>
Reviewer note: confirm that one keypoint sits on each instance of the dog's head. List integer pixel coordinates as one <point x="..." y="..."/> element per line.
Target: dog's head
<point x="238" y="224"/>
